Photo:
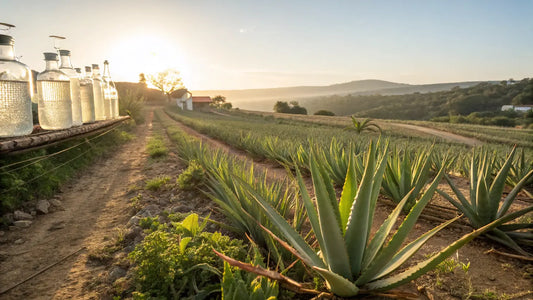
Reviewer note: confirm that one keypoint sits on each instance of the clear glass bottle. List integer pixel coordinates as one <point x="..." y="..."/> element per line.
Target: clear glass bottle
<point x="98" y="91"/>
<point x="66" y="67"/>
<point x="111" y="91"/>
<point x="87" y="96"/>
<point x="15" y="92"/>
<point x="53" y="88"/>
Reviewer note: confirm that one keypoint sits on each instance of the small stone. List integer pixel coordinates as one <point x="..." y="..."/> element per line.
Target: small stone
<point x="2" y="233"/>
<point x="8" y="218"/>
<point x="57" y="226"/>
<point x="116" y="273"/>
<point x="42" y="206"/>
<point x="134" y="221"/>
<point x="19" y="241"/>
<point x="13" y="228"/>
<point x="33" y="212"/>
<point x="56" y="203"/>
<point x="491" y="277"/>
<point x="22" y="223"/>
<point x="20" y="215"/>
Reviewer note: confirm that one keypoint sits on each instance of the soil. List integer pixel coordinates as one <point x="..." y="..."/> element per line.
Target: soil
<point x="97" y="212"/>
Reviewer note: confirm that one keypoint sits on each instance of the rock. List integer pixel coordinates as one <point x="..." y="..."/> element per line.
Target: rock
<point x="56" y="203"/>
<point x="33" y="212"/>
<point x="133" y="233"/>
<point x="57" y="226"/>
<point x="20" y="215"/>
<point x="42" y="206"/>
<point x="22" y="223"/>
<point x="13" y="228"/>
<point x="116" y="273"/>
<point x="151" y="210"/>
<point x="19" y="241"/>
<point x="134" y="221"/>
<point x="8" y="218"/>
<point x="2" y="233"/>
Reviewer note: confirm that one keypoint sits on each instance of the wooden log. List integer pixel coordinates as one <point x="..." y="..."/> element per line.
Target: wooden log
<point x="48" y="137"/>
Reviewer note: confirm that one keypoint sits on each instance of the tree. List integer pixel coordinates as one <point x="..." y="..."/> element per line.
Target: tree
<point x="324" y="112"/>
<point x="218" y="100"/>
<point x="167" y="82"/>
<point x="293" y="108"/>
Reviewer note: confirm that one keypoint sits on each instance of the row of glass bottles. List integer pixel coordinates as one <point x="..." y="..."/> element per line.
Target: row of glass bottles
<point x="65" y="97"/>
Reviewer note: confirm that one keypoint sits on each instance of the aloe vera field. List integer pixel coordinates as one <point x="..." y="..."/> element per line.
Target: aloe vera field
<point x="246" y="205"/>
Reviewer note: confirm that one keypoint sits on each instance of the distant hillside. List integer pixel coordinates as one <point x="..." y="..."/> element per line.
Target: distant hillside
<point x="264" y="99"/>
<point x="150" y="95"/>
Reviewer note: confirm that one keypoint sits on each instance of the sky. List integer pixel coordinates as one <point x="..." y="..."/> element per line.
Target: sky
<point x="222" y="44"/>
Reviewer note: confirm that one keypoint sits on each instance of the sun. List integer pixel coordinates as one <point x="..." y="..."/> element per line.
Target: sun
<point x="147" y="54"/>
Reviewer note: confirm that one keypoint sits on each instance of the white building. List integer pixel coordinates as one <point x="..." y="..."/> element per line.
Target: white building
<point x="519" y="108"/>
<point x="185" y="101"/>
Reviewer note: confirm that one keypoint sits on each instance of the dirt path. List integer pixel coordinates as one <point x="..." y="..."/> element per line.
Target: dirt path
<point x="442" y="134"/>
<point x="93" y="205"/>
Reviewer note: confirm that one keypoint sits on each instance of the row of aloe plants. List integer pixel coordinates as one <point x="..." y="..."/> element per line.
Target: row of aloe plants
<point x="371" y="261"/>
<point x="411" y="171"/>
<point x="261" y="142"/>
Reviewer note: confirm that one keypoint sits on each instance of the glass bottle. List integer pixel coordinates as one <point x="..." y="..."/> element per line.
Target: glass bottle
<point x="53" y="87"/>
<point x="66" y="67"/>
<point x="111" y="90"/>
<point x="15" y="92"/>
<point x="98" y="91"/>
<point x="107" y="92"/>
<point x="87" y="96"/>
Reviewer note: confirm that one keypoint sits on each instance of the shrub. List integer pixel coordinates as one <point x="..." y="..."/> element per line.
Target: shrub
<point x="156" y="147"/>
<point x="192" y="177"/>
<point x="156" y="183"/>
<point x="132" y="104"/>
<point x="323" y="112"/>
<point x="177" y="261"/>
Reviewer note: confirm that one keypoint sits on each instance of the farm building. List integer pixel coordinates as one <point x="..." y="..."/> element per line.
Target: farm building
<point x="183" y="100"/>
<point x="519" y="108"/>
<point x="201" y="102"/>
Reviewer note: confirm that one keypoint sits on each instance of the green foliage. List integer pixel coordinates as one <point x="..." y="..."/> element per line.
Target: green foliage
<point x="156" y="147"/>
<point x="192" y="177"/>
<point x="485" y="204"/>
<point x="131" y="103"/>
<point x="238" y="285"/>
<point x="177" y="262"/>
<point x="156" y="183"/>
<point x="292" y="108"/>
<point x="324" y="112"/>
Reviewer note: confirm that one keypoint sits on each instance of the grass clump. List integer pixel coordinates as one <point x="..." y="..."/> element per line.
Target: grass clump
<point x="155" y="184"/>
<point x="192" y="177"/>
<point x="156" y="147"/>
<point x="131" y="103"/>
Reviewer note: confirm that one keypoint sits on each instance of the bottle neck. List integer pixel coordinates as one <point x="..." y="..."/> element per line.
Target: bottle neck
<point x="51" y="65"/>
<point x="65" y="62"/>
<point x="7" y="52"/>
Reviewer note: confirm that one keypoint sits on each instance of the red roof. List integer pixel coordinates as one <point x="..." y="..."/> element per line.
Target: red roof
<point x="201" y="99"/>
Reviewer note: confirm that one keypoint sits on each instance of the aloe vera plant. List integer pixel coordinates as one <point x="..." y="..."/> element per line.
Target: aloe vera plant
<point x="349" y="258"/>
<point x="366" y="124"/>
<point x="519" y="169"/>
<point x="485" y="203"/>
<point x="405" y="175"/>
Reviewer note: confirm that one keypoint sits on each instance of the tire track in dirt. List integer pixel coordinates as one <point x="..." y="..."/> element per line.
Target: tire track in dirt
<point x="93" y="205"/>
<point x="442" y="134"/>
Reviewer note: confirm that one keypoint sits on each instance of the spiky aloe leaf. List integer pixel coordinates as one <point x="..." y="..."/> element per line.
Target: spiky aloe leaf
<point x="338" y="284"/>
<point x="504" y="238"/>
<point x="357" y="229"/>
<point x="510" y="198"/>
<point x="335" y="252"/>
<point x="428" y="264"/>
<point x="399" y="237"/>
<point x="483" y="201"/>
<point x="408" y="251"/>
<point x="306" y="252"/>
<point x="497" y="186"/>
<point x="383" y="232"/>
<point x="349" y="191"/>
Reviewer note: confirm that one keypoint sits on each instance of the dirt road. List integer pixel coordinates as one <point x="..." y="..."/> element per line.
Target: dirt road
<point x="442" y="134"/>
<point x="93" y="205"/>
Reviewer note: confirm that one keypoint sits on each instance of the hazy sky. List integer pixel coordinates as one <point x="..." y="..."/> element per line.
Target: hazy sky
<point x="251" y="44"/>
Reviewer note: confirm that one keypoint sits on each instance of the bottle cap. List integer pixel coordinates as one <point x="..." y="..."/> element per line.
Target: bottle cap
<point x="64" y="52"/>
<point x="106" y="62"/>
<point x="50" y="56"/>
<point x="95" y="66"/>
<point x="87" y="69"/>
<point x="6" y="40"/>
<point x="78" y="70"/>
